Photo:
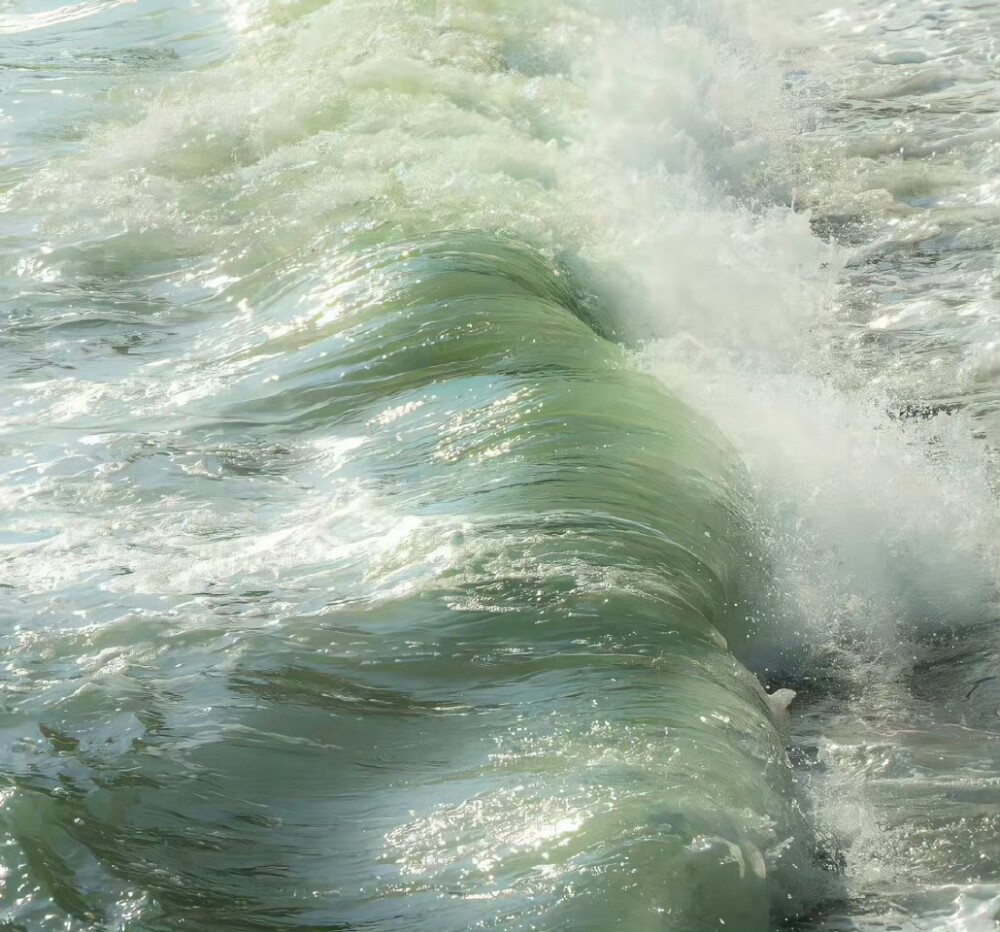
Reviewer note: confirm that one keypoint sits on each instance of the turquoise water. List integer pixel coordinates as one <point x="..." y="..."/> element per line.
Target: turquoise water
<point x="427" y="428"/>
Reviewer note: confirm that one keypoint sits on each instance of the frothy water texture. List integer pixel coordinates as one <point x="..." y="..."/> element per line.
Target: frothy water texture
<point x="427" y="426"/>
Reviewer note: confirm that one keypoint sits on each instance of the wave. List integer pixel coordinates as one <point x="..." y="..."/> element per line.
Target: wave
<point x="523" y="711"/>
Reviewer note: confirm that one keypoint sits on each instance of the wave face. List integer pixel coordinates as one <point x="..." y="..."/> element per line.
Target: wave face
<point x="372" y="557"/>
<point x="511" y="706"/>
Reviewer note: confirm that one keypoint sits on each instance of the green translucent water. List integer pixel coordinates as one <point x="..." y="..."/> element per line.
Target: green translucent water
<point x="488" y="673"/>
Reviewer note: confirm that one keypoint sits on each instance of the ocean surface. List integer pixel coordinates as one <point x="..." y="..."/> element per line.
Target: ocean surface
<point x="429" y="430"/>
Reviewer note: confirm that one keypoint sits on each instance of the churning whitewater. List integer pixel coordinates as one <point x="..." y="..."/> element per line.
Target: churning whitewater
<point x="430" y="431"/>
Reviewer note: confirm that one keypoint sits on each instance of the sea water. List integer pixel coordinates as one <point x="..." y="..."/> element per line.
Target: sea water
<point x="361" y="568"/>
